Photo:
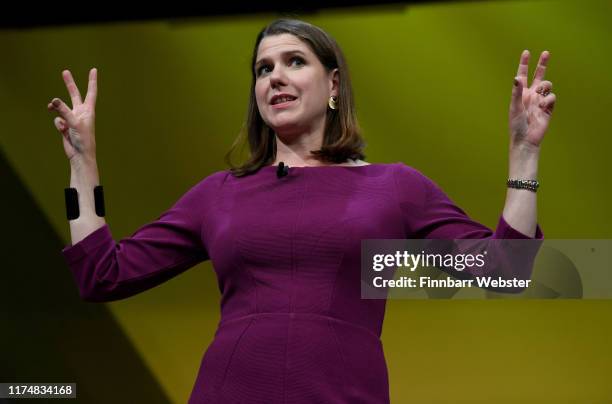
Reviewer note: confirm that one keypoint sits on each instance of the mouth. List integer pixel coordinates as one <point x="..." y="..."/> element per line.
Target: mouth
<point x="284" y="104"/>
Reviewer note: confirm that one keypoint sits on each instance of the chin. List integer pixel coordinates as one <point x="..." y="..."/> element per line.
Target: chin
<point x="286" y="132"/>
<point x="284" y="126"/>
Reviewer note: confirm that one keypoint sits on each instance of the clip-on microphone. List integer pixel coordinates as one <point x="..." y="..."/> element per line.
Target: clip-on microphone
<point x="282" y="170"/>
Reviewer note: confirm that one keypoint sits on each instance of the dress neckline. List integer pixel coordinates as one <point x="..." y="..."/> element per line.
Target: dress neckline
<point x="328" y="166"/>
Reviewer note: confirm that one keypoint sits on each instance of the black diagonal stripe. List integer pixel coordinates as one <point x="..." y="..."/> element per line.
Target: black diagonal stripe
<point x="47" y="333"/>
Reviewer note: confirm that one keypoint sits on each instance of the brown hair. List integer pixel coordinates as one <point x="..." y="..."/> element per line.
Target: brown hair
<point x="342" y="138"/>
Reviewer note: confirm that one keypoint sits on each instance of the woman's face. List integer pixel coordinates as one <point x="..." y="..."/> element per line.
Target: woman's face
<point x="286" y="65"/>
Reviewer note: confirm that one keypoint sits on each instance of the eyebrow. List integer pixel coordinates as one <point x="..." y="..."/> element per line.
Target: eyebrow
<point x="289" y="52"/>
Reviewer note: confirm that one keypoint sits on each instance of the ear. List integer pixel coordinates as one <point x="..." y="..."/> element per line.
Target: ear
<point x="334" y="80"/>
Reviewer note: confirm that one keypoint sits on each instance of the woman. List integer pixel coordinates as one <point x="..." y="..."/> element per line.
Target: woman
<point x="285" y="243"/>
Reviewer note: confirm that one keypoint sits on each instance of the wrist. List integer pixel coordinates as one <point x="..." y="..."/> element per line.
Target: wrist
<point x="84" y="173"/>
<point x="83" y="161"/>
<point x="83" y="164"/>
<point x="524" y="150"/>
<point x="524" y="162"/>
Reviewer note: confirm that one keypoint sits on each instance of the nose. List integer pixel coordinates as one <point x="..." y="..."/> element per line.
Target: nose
<point x="277" y="77"/>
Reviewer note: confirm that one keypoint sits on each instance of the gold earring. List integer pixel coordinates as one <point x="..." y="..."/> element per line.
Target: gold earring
<point x="333" y="102"/>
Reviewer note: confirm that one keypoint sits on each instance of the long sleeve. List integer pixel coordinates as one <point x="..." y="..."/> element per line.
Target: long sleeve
<point x="105" y="270"/>
<point x="429" y="213"/>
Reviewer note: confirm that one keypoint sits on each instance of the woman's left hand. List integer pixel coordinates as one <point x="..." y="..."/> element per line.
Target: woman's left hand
<point x="531" y="107"/>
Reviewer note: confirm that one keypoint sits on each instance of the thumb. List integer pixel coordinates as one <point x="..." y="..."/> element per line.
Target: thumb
<point x="516" y="104"/>
<point x="60" y="124"/>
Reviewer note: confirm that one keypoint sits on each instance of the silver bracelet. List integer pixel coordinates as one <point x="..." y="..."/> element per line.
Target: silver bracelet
<point x="531" y="185"/>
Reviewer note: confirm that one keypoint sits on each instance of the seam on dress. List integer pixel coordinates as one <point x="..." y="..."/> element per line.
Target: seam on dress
<point x="207" y="211"/>
<point x="234" y="247"/>
<point x="422" y="179"/>
<point x="293" y="234"/>
<point x="292" y="297"/>
<point x="243" y="265"/>
<point x="344" y="371"/>
<point x="286" y="355"/>
<point x="298" y="315"/>
<point x="399" y="204"/>
<point x="428" y="190"/>
<point x="333" y="288"/>
<point x="229" y="361"/>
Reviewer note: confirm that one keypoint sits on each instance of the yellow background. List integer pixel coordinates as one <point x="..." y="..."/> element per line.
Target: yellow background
<point x="432" y="86"/>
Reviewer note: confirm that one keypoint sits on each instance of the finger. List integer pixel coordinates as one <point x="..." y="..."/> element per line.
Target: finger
<point x="60" y="124"/>
<point x="65" y="112"/>
<point x="516" y="105"/>
<point x="538" y="76"/>
<point x="523" y="69"/>
<point x="92" y="87"/>
<point x="73" y="90"/>
<point x="548" y="103"/>
<point x="544" y="88"/>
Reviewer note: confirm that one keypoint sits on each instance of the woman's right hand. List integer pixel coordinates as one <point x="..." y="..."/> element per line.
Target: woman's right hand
<point x="77" y="125"/>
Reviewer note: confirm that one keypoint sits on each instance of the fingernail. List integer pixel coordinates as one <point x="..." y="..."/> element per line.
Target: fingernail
<point x="515" y="81"/>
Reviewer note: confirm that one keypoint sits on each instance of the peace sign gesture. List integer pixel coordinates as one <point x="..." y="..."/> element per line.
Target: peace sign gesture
<point x="77" y="125"/>
<point x="531" y="107"/>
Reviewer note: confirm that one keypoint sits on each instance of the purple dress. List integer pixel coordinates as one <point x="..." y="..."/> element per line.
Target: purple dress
<point x="286" y="252"/>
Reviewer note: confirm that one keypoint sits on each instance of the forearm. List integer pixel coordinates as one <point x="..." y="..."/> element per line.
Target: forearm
<point x="520" y="210"/>
<point x="84" y="177"/>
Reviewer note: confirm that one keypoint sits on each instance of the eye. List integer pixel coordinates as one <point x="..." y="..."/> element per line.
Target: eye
<point x="260" y="70"/>
<point x="261" y="67"/>
<point x="298" y="58"/>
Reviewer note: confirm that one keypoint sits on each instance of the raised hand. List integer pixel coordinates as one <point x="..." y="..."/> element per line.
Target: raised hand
<point x="77" y="125"/>
<point x="531" y="106"/>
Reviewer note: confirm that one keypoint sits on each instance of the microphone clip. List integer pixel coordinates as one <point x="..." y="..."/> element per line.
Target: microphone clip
<point x="282" y="170"/>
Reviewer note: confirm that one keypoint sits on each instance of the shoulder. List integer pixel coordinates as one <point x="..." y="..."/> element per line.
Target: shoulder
<point x="404" y="172"/>
<point x="412" y="184"/>
<point x="201" y="196"/>
<point x="213" y="180"/>
<point x="207" y="186"/>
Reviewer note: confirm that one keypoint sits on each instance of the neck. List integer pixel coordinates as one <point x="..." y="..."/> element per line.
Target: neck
<point x="294" y="149"/>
